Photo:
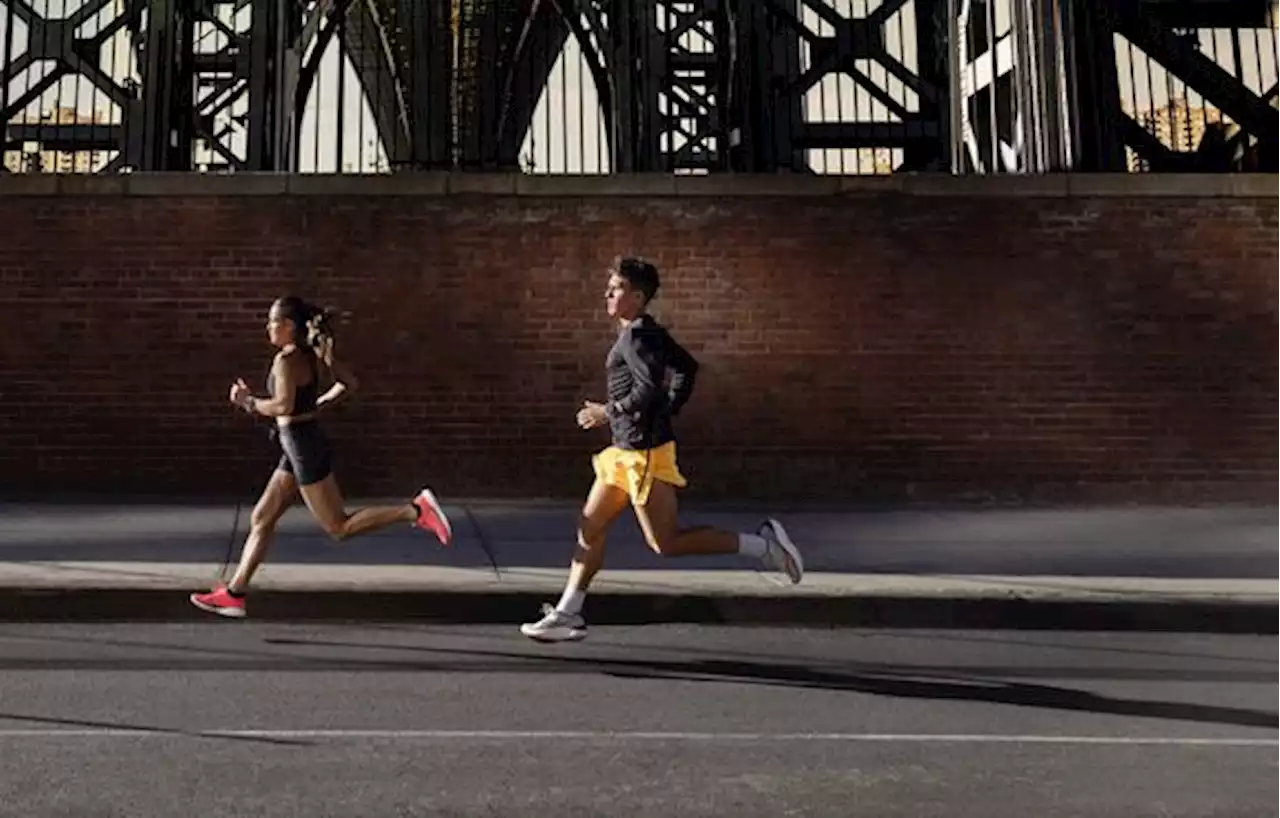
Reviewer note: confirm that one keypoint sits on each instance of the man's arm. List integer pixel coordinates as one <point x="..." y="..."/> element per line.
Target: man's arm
<point x="684" y="368"/>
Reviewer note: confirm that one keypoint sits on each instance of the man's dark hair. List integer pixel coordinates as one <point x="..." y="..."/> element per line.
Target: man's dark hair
<point x="639" y="275"/>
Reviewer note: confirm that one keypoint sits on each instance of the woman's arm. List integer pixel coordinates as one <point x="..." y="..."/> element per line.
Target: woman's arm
<point x="281" y="403"/>
<point x="344" y="383"/>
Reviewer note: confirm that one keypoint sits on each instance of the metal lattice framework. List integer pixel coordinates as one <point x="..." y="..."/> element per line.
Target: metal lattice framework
<point x="57" y="41"/>
<point x="1165" y="32"/>
<point x="850" y="47"/>
<point x="681" y="85"/>
<point x="1044" y="92"/>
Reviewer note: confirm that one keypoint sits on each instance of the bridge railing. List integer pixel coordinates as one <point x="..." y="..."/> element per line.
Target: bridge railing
<point x="846" y="87"/>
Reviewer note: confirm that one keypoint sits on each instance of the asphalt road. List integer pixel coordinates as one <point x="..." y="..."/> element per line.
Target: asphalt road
<point x="234" y="719"/>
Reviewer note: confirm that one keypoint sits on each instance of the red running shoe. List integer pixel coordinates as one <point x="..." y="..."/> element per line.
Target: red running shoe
<point x="221" y="602"/>
<point x="432" y="517"/>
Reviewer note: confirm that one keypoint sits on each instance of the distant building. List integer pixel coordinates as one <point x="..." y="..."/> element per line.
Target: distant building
<point x="1179" y="126"/>
<point x="33" y="157"/>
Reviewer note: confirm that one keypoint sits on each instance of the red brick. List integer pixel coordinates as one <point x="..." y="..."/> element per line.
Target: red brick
<point x="917" y="349"/>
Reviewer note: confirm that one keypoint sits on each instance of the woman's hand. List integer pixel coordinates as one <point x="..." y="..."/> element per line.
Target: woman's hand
<point x="241" y="395"/>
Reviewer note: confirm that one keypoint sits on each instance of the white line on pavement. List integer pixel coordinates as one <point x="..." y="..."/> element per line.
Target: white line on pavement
<point x="586" y="735"/>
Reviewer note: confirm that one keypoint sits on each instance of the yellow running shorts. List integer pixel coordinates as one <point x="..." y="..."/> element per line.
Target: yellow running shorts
<point x="625" y="469"/>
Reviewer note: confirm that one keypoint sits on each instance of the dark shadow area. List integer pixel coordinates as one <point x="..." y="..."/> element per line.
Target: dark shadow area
<point x="992" y="692"/>
<point x="896" y="682"/>
<point x="142" y="728"/>
<point x="1036" y="643"/>
<point x="939" y="682"/>
<point x="227" y="661"/>
<point x="1221" y="543"/>
<point x="273" y="660"/>
<point x="534" y="538"/>
<point x="1041" y="643"/>
<point x="442" y="604"/>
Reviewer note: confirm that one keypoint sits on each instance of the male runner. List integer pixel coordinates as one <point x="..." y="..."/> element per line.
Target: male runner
<point x="639" y="468"/>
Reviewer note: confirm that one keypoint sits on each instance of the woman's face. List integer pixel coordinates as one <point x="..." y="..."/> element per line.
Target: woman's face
<point x="279" y="328"/>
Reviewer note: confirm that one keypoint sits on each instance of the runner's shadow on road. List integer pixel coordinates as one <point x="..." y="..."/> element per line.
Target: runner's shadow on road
<point x="881" y="680"/>
<point x="877" y="683"/>
<point x="1019" y="694"/>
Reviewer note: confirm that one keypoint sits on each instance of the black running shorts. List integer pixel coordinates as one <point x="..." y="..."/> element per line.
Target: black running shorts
<point x="307" y="453"/>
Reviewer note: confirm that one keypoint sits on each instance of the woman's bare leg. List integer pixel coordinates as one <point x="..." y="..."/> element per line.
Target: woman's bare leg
<point x="326" y="503"/>
<point x="276" y="499"/>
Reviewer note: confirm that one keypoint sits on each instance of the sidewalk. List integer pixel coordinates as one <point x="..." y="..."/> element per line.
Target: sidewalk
<point x="1130" y="568"/>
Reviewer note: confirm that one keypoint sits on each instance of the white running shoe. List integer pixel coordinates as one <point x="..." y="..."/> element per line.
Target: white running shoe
<point x="782" y="554"/>
<point x="556" y="626"/>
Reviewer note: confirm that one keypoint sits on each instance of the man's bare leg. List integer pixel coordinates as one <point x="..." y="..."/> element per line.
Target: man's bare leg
<point x="659" y="519"/>
<point x="564" y="622"/>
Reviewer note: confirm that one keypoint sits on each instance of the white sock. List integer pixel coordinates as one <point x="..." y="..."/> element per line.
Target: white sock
<point x="753" y="545"/>
<point x="571" y="600"/>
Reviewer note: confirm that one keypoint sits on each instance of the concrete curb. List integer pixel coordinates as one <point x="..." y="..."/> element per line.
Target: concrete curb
<point x="648" y="607"/>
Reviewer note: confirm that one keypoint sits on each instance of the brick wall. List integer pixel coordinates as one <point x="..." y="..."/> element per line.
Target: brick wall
<point x="1052" y="339"/>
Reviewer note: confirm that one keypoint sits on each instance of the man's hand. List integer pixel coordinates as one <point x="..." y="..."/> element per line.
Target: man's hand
<point x="591" y="415"/>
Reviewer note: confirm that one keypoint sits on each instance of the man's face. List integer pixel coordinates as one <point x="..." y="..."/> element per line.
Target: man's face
<point x="620" y="300"/>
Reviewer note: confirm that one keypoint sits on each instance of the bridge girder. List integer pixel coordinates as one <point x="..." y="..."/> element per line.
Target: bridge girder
<point x="455" y="83"/>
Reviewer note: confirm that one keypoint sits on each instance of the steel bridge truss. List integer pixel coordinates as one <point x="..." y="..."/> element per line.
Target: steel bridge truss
<point x="1043" y="91"/>
<point x="685" y="86"/>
